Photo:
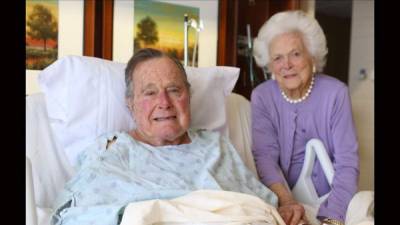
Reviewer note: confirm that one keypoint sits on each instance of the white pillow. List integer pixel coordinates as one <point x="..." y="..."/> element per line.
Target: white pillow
<point x="85" y="98"/>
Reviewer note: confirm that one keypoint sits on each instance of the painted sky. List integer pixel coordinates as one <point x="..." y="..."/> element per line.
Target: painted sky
<point x="169" y="19"/>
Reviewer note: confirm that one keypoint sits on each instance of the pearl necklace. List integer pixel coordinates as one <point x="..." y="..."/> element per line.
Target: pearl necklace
<point x="294" y="101"/>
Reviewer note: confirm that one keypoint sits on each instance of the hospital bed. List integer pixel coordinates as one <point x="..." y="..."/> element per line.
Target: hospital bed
<point x="48" y="166"/>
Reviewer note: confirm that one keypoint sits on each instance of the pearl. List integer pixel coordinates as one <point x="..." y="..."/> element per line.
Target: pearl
<point x="295" y="101"/>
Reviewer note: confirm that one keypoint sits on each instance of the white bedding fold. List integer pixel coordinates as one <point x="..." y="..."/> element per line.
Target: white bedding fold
<point x="203" y="207"/>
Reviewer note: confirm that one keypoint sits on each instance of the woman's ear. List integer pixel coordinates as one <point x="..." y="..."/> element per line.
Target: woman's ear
<point x="314" y="68"/>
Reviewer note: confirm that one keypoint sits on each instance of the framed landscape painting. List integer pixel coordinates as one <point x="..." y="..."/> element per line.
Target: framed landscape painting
<point x="41" y="33"/>
<point x="54" y="28"/>
<point x="160" y="25"/>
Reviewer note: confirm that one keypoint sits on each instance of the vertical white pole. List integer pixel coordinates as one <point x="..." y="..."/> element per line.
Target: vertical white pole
<point x="195" y="47"/>
<point x="248" y="36"/>
<point x="250" y="56"/>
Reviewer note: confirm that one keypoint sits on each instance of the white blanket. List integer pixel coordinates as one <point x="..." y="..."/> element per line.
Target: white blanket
<point x="203" y="207"/>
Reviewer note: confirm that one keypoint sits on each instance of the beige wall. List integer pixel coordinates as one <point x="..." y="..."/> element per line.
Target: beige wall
<point x="31" y="84"/>
<point x="362" y="89"/>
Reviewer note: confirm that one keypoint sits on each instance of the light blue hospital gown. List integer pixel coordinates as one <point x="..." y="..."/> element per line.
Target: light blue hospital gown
<point x="130" y="171"/>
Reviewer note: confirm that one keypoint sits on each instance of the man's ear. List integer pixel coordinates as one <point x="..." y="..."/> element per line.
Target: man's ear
<point x="129" y="104"/>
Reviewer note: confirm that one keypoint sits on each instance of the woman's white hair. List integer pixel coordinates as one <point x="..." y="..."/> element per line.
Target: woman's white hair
<point x="287" y="22"/>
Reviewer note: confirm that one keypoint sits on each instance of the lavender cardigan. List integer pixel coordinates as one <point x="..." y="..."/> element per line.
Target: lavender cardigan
<point x="280" y="131"/>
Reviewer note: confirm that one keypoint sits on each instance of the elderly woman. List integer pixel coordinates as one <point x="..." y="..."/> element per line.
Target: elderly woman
<point x="160" y="159"/>
<point x="298" y="104"/>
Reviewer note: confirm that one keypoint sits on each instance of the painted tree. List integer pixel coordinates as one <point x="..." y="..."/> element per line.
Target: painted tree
<point x="147" y="31"/>
<point x="42" y="24"/>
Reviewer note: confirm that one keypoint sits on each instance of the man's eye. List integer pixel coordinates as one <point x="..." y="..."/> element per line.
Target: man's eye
<point x="297" y="54"/>
<point x="149" y="93"/>
<point x="173" y="90"/>
<point x="277" y="58"/>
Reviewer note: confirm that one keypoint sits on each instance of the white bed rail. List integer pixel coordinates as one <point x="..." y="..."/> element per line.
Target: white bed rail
<point x="31" y="216"/>
<point x="304" y="190"/>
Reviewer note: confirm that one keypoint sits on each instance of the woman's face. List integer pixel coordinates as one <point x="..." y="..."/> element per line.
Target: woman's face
<point x="290" y="62"/>
<point x="160" y="101"/>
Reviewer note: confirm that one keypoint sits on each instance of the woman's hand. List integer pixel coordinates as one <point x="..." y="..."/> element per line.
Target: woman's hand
<point x="292" y="213"/>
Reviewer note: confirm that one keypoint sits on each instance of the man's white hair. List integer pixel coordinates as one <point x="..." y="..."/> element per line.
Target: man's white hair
<point x="288" y="22"/>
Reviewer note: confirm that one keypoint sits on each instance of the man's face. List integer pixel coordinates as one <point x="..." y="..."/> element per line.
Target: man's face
<point x="160" y="100"/>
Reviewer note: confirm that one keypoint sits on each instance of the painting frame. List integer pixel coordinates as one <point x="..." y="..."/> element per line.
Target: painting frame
<point x="123" y="24"/>
<point x="70" y="38"/>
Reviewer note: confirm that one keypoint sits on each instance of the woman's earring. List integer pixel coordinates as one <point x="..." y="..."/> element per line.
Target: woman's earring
<point x="314" y="69"/>
<point x="272" y="76"/>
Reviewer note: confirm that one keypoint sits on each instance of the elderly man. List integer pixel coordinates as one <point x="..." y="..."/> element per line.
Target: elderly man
<point x="160" y="159"/>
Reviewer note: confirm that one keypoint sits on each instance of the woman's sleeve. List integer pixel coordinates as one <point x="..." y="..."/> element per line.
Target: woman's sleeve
<point x="265" y="145"/>
<point x="345" y="159"/>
